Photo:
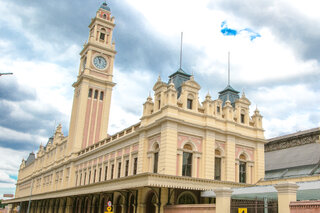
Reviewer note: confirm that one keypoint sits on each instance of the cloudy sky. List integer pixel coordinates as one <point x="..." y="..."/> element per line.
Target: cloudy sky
<point x="274" y="47"/>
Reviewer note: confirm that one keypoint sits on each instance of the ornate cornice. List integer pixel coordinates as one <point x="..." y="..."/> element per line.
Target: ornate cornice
<point x="292" y="140"/>
<point x="134" y="182"/>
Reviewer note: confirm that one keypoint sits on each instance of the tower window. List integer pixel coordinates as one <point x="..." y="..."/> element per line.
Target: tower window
<point x="101" y="96"/>
<point x="155" y="163"/>
<point x="90" y="93"/>
<point x="242" y="172"/>
<point x="242" y="169"/>
<point x="119" y="169"/>
<point x="159" y="104"/>
<point x="217" y="168"/>
<point x="106" y="173"/>
<point x="242" y="118"/>
<point x="102" y="36"/>
<point x="95" y="94"/>
<point x="112" y="168"/>
<point x="187" y="164"/>
<point x="135" y="164"/>
<point x="127" y="168"/>
<point x="189" y="103"/>
<point x="218" y="109"/>
<point x="104" y="16"/>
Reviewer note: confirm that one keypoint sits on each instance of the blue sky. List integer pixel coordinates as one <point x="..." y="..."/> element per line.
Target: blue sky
<point x="274" y="59"/>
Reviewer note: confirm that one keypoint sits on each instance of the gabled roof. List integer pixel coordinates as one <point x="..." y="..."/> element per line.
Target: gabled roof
<point x="308" y="154"/>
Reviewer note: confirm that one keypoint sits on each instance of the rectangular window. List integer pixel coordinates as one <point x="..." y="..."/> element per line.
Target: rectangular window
<point x="159" y="104"/>
<point x="218" y="109"/>
<point x="189" y="104"/>
<point x="84" y="179"/>
<point x="242" y="172"/>
<point x="217" y="169"/>
<point x="135" y="164"/>
<point x="89" y="179"/>
<point x="155" y="162"/>
<point x="94" y="176"/>
<point x="100" y="171"/>
<point x="106" y="173"/>
<point x="80" y="178"/>
<point x="76" y="179"/>
<point x="112" y="169"/>
<point x="187" y="164"/>
<point x="127" y="168"/>
<point x="119" y="169"/>
<point x="242" y="118"/>
<point x="102" y="35"/>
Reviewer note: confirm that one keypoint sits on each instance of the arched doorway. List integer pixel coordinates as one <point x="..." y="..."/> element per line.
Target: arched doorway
<point x="118" y="205"/>
<point x="131" y="204"/>
<point x="151" y="202"/>
<point x="95" y="205"/>
<point x="102" y="204"/>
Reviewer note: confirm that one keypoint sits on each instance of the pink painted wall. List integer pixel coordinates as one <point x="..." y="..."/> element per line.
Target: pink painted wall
<point x="307" y="206"/>
<point x="191" y="208"/>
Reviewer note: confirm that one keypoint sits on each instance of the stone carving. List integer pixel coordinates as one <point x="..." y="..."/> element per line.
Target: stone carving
<point x="295" y="140"/>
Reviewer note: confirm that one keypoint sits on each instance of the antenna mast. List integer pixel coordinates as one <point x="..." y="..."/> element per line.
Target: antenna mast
<point x="181" y="50"/>
<point x="229" y="68"/>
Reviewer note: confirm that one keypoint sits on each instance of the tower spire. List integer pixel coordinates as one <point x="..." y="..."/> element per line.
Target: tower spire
<point x="229" y="68"/>
<point x="181" y="50"/>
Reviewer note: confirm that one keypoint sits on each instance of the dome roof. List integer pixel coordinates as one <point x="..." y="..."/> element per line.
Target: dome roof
<point x="105" y="6"/>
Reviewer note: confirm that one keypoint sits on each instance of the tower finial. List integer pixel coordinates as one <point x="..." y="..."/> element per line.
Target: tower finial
<point x="181" y="50"/>
<point x="229" y="68"/>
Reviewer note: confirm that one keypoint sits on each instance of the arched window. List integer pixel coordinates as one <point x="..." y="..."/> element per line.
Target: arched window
<point x="102" y="34"/>
<point x="156" y="157"/>
<point x="187" y="160"/>
<point x="242" y="168"/>
<point x="101" y="96"/>
<point x="186" y="198"/>
<point x="217" y="165"/>
<point x="104" y="16"/>
<point x="189" y="101"/>
<point x="96" y="94"/>
<point x="90" y="93"/>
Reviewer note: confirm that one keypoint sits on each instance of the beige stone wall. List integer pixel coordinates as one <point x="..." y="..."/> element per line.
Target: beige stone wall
<point x="194" y="208"/>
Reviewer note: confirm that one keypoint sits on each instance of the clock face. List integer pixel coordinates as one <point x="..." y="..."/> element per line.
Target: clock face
<point x="100" y="62"/>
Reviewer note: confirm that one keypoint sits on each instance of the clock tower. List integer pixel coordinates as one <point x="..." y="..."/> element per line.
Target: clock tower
<point x="93" y="88"/>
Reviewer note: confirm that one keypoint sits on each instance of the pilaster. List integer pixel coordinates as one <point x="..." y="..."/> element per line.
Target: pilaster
<point x="223" y="199"/>
<point x="168" y="148"/>
<point x="208" y="155"/>
<point x="287" y="192"/>
<point x="230" y="158"/>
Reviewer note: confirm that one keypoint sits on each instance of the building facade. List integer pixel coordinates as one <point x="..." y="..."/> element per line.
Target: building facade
<point x="179" y="148"/>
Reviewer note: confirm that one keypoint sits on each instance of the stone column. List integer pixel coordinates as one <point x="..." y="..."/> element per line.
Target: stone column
<point x="287" y="192"/>
<point x="223" y="199"/>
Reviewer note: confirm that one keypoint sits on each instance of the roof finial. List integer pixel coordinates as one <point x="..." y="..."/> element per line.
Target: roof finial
<point x="181" y="50"/>
<point x="229" y="68"/>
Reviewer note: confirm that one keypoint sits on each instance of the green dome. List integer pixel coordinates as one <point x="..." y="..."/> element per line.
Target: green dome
<point x="105" y="6"/>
